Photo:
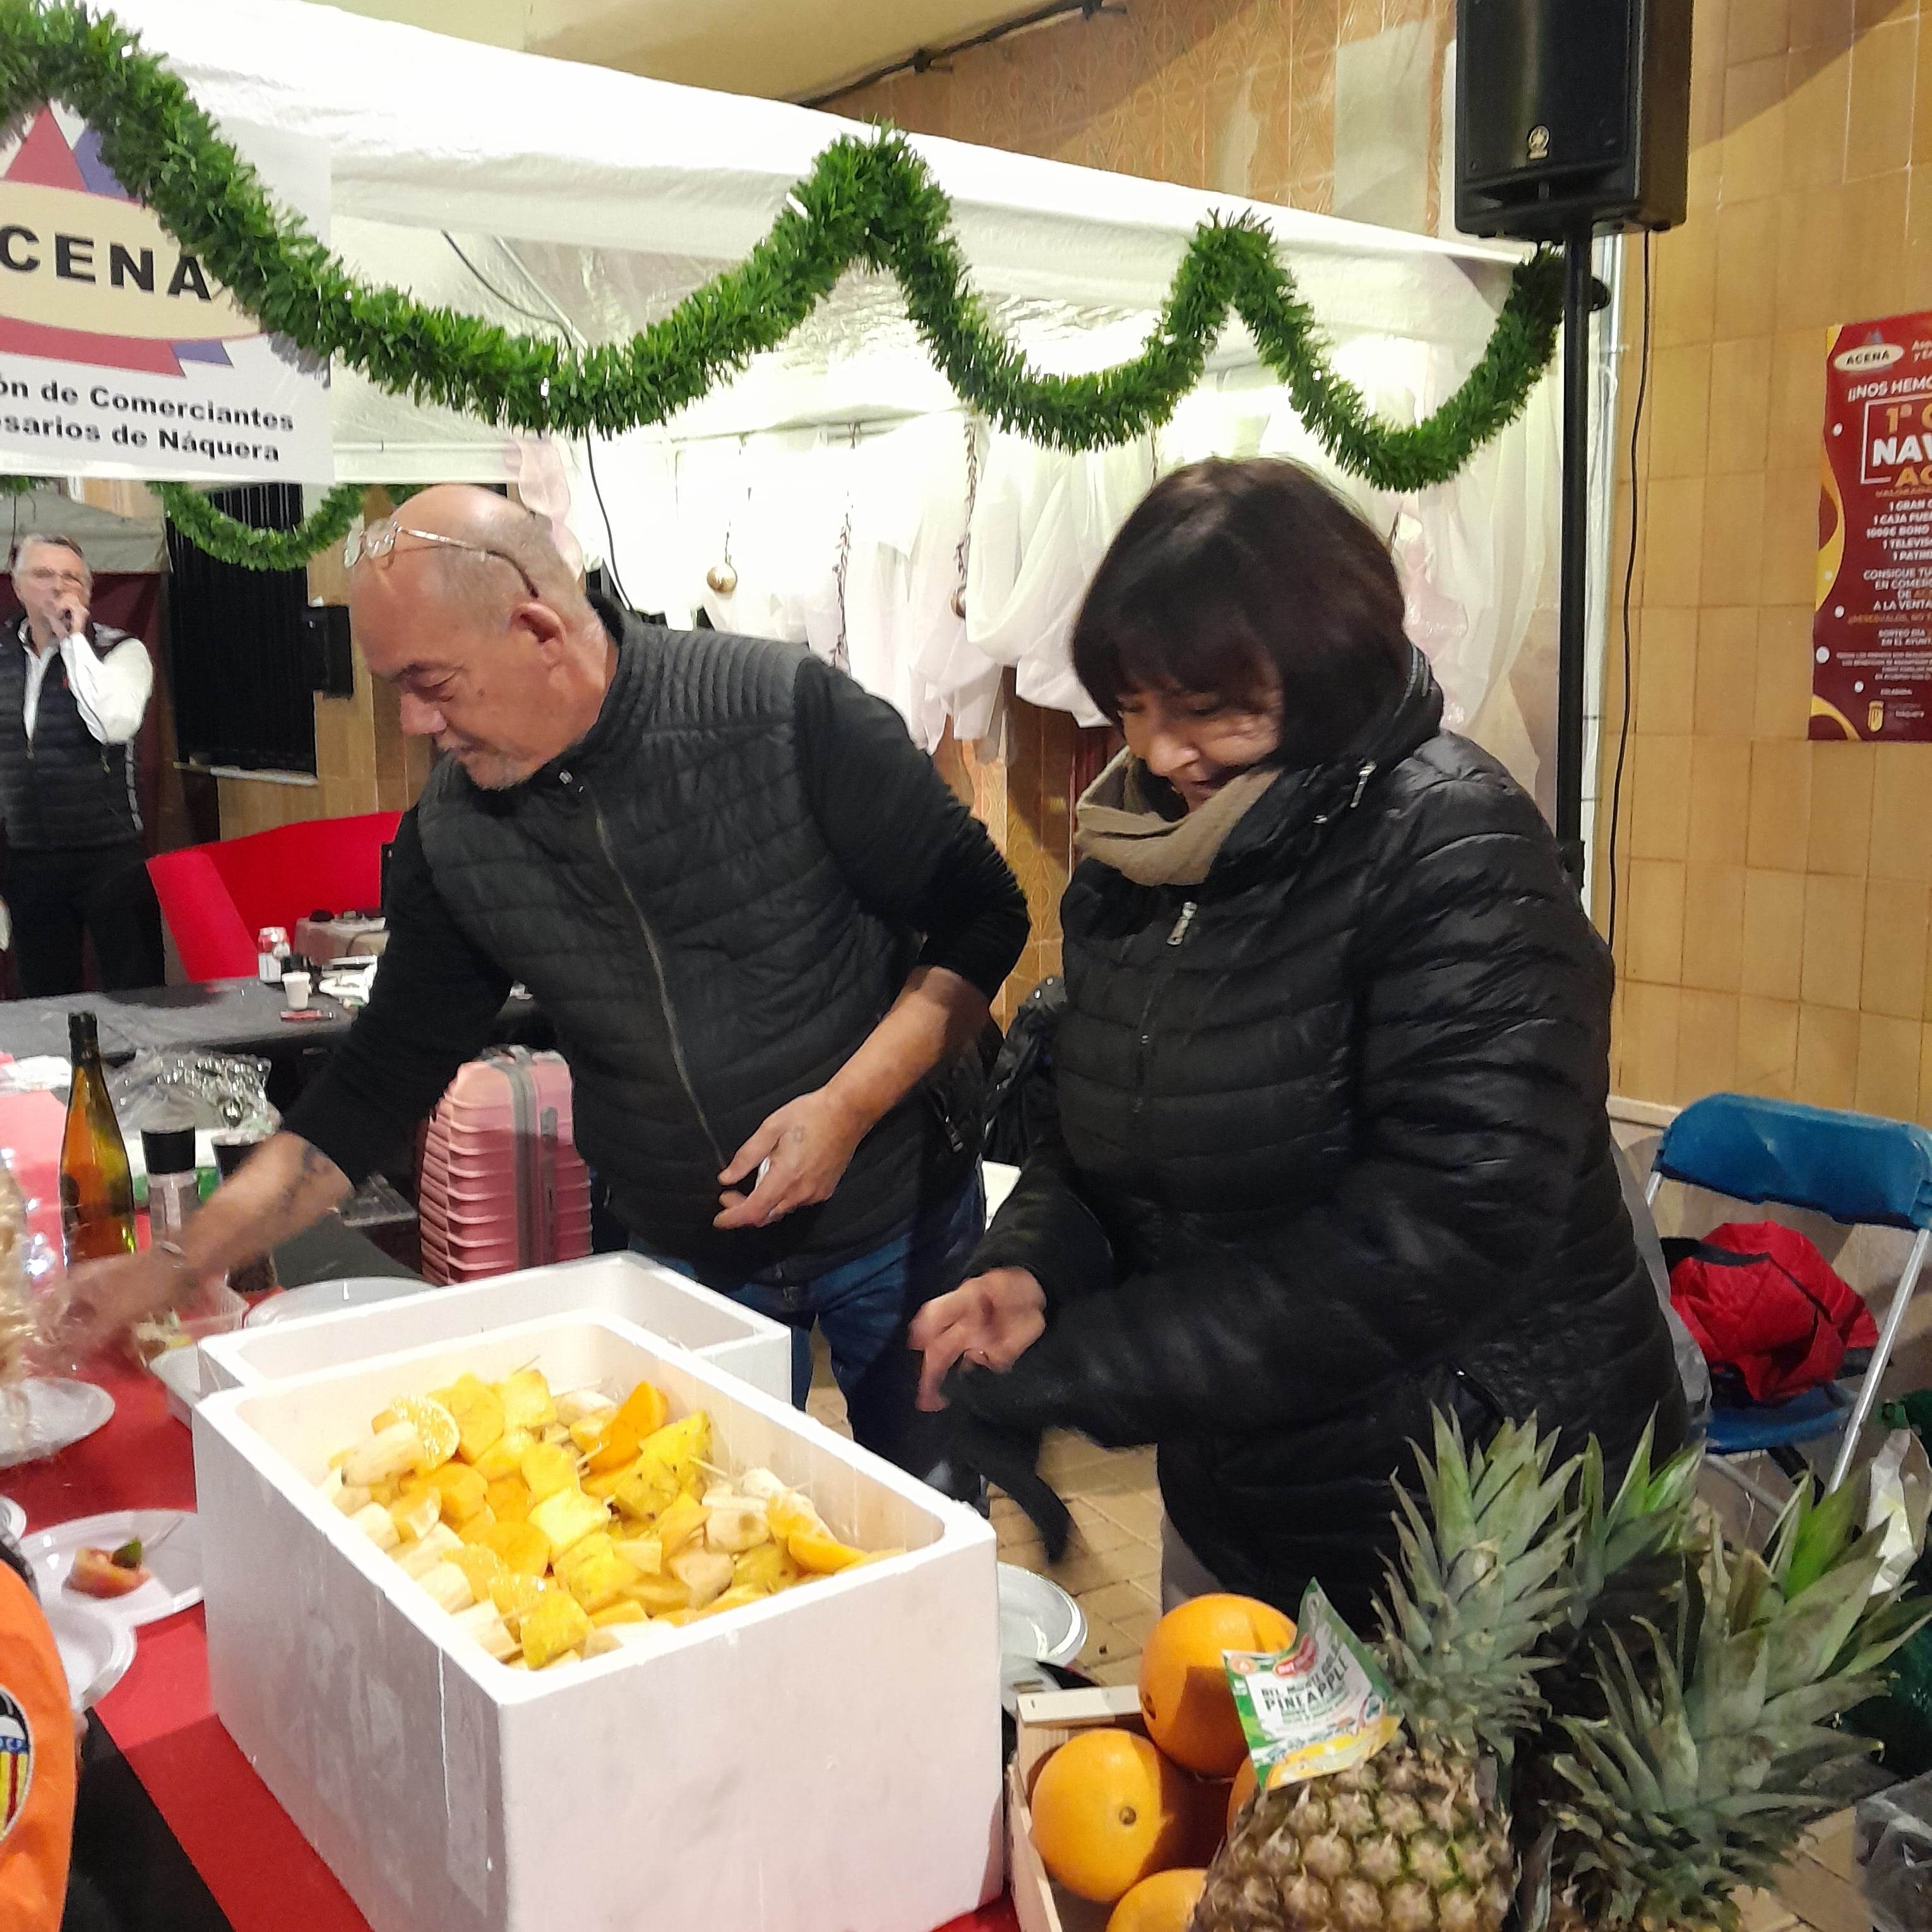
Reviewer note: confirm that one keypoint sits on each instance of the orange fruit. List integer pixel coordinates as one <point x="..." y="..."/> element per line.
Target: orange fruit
<point x="1185" y="1699"/>
<point x="1109" y="1811"/>
<point x="435" y="1427"/>
<point x="1162" y="1903"/>
<point x="1242" y="1789"/>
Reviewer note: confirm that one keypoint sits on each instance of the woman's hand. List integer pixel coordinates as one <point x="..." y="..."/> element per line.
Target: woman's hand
<point x="991" y="1320"/>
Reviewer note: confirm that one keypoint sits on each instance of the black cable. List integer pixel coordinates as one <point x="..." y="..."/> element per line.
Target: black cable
<point x="610" y="535"/>
<point x="589" y="450"/>
<point x="1630" y="576"/>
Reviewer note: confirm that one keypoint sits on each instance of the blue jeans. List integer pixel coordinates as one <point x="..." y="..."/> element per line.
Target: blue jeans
<point x="865" y="1307"/>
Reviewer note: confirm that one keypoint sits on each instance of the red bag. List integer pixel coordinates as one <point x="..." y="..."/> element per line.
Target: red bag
<point x="1772" y="1316"/>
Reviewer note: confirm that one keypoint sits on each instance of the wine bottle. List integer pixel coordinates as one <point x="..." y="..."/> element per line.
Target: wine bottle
<point x="96" y="1186"/>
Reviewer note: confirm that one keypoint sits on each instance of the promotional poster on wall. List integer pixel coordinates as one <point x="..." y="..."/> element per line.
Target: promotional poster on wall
<point x="1871" y="655"/>
<point x="120" y="354"/>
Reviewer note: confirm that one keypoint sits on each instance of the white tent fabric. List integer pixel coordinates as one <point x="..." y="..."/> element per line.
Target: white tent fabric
<point x="584" y="202"/>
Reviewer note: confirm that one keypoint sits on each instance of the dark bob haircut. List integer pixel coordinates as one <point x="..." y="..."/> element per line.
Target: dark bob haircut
<point x="1232" y="576"/>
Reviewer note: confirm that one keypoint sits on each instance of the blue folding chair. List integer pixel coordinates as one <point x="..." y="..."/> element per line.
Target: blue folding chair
<point x="1859" y="1170"/>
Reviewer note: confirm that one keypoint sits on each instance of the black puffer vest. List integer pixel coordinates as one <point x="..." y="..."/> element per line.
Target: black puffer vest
<point x="66" y="790"/>
<point x="1340" y="1112"/>
<point x="665" y="894"/>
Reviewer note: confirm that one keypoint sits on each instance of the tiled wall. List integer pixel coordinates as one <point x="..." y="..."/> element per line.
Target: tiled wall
<point x="1773" y="922"/>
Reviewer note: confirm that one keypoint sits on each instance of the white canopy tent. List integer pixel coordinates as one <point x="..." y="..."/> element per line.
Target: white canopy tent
<point x="835" y="472"/>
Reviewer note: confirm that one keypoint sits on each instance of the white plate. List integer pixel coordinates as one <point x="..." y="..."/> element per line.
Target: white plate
<point x="13" y="1519"/>
<point x="1039" y="1622"/>
<point x="95" y="1651"/>
<point x="175" y="1585"/>
<point x="326" y="1297"/>
<point x="57" y="1414"/>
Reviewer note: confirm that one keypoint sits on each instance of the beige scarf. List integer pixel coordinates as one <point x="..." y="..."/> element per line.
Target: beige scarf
<point x="1114" y="823"/>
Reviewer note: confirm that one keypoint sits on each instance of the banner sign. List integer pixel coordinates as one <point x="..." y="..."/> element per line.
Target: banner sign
<point x="120" y="354"/>
<point x="1871" y="671"/>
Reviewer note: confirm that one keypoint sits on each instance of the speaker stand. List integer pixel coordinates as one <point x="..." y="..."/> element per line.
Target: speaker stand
<point x="1573" y="605"/>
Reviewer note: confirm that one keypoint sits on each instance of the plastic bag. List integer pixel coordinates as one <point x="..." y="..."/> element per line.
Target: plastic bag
<point x="1894" y="1842"/>
<point x="1899" y="1497"/>
<point x="216" y="1093"/>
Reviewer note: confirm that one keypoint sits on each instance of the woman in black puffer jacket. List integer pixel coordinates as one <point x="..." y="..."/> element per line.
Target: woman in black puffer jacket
<point x="1332" y="1079"/>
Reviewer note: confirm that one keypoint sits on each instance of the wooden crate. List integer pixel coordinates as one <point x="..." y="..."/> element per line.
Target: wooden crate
<point x="1045" y="1723"/>
<point x="1820" y="1882"/>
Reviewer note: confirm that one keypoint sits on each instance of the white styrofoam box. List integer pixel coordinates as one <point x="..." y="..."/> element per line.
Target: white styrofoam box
<point x="657" y="1299"/>
<point x="826" y="1761"/>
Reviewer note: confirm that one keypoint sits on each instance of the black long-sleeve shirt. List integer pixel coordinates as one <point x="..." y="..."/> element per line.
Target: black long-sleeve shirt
<point x="910" y="852"/>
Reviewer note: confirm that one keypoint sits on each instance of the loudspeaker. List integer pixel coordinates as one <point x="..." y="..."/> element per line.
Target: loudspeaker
<point x="328" y="662"/>
<point x="1571" y="112"/>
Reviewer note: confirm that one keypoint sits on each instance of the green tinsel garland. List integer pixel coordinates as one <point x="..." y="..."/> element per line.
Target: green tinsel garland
<point x="871" y="203"/>
<point x="213" y="529"/>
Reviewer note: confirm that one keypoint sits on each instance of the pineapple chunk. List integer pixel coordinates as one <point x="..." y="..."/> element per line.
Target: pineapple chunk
<point x="478" y="1526"/>
<point x="682" y="1445"/>
<point x="510" y="1497"/>
<point x="556" y="1434"/>
<point x="555" y="1624"/>
<point x="657" y="1594"/>
<point x="645" y="1489"/>
<point x="513" y="1595"/>
<point x="599" y="1580"/>
<point x="605" y="1487"/>
<point x="436" y="1429"/>
<point x="522" y="1546"/>
<point x="547" y="1468"/>
<point x="479" y="1412"/>
<point x="417" y="1512"/>
<point x="822" y="1554"/>
<point x="645" y="1409"/>
<point x="644" y="1553"/>
<point x="504" y="1456"/>
<point x="378" y="1526"/>
<point x="390" y="1452"/>
<point x="705" y="1574"/>
<point x="736" y="1524"/>
<point x="416" y="1559"/>
<point x="683" y="1522"/>
<point x="567" y="1517"/>
<point x="735" y="1598"/>
<point x="626" y="1613"/>
<point x="526" y="1401"/>
<point x="768" y="1568"/>
<point x="482" y="1566"/>
<point x="447" y="1587"/>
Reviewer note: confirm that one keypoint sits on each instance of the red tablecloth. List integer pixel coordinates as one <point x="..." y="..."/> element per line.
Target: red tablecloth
<point x="257" y="1865"/>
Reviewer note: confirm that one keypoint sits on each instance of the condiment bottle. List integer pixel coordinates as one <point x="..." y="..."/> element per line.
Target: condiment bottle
<point x="258" y="1276"/>
<point x="174" y="1188"/>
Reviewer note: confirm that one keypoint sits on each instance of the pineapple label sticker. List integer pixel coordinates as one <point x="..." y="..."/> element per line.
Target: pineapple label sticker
<point x="1318" y="1707"/>
<point x="121" y="353"/>
<point x="1871" y="641"/>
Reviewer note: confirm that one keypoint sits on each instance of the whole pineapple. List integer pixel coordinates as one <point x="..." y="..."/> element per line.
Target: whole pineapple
<point x="1413" y="1839"/>
<point x="1704" y="1765"/>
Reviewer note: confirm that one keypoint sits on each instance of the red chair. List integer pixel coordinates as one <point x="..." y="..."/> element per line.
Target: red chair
<point x="216" y="898"/>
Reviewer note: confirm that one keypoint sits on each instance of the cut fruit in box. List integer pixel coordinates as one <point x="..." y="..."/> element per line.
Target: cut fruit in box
<point x="557" y="1527"/>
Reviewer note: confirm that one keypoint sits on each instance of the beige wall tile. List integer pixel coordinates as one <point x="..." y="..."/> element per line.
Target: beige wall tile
<point x="1754" y="126"/>
<point x="1733" y="538"/>
<point x="1812" y="226"/>
<point x="1885" y="61"/>
<point x="1659" y="797"/>
<point x="1816" y="112"/>
<point x="1714" y="927"/>
<point x="1780" y="805"/>
<point x="1774" y="955"/>
<point x="1673" y="542"/>
<point x="1896" y="928"/>
<point x="1835" y="925"/>
<point x="1841" y="808"/>
<point x="1719" y="830"/>
<point x="1727" y="648"/>
<point x="1796" y="423"/>
<point x="1901" y="840"/>
<point x="1650" y="1035"/>
<point x="1740" y="403"/>
<point x="1684" y="307"/>
<point x="1783" y="671"/>
<point x="1749" y="244"/>
<point x="1789" y="568"/>
<point x="1925" y="1076"/>
<point x="1828" y="1057"/>
<point x="1758" y="28"/>
<point x="1889" y="1052"/>
<point x="1655" y="949"/>
<point x="1767" y="1046"/>
<point x="1680" y="412"/>
<point x="1878" y="267"/>
<point x="1707" y="1045"/>
<point x="1666" y="671"/>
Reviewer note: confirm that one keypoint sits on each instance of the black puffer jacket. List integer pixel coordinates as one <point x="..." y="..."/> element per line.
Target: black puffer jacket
<point x="1335" y="1149"/>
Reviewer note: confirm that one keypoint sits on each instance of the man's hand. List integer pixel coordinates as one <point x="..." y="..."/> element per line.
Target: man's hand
<point x="70" y="617"/>
<point x="807" y="1145"/>
<point x="104" y="1299"/>
<point x="991" y="1320"/>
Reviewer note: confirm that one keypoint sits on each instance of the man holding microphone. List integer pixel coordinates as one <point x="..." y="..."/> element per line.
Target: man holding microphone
<point x="72" y="696"/>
